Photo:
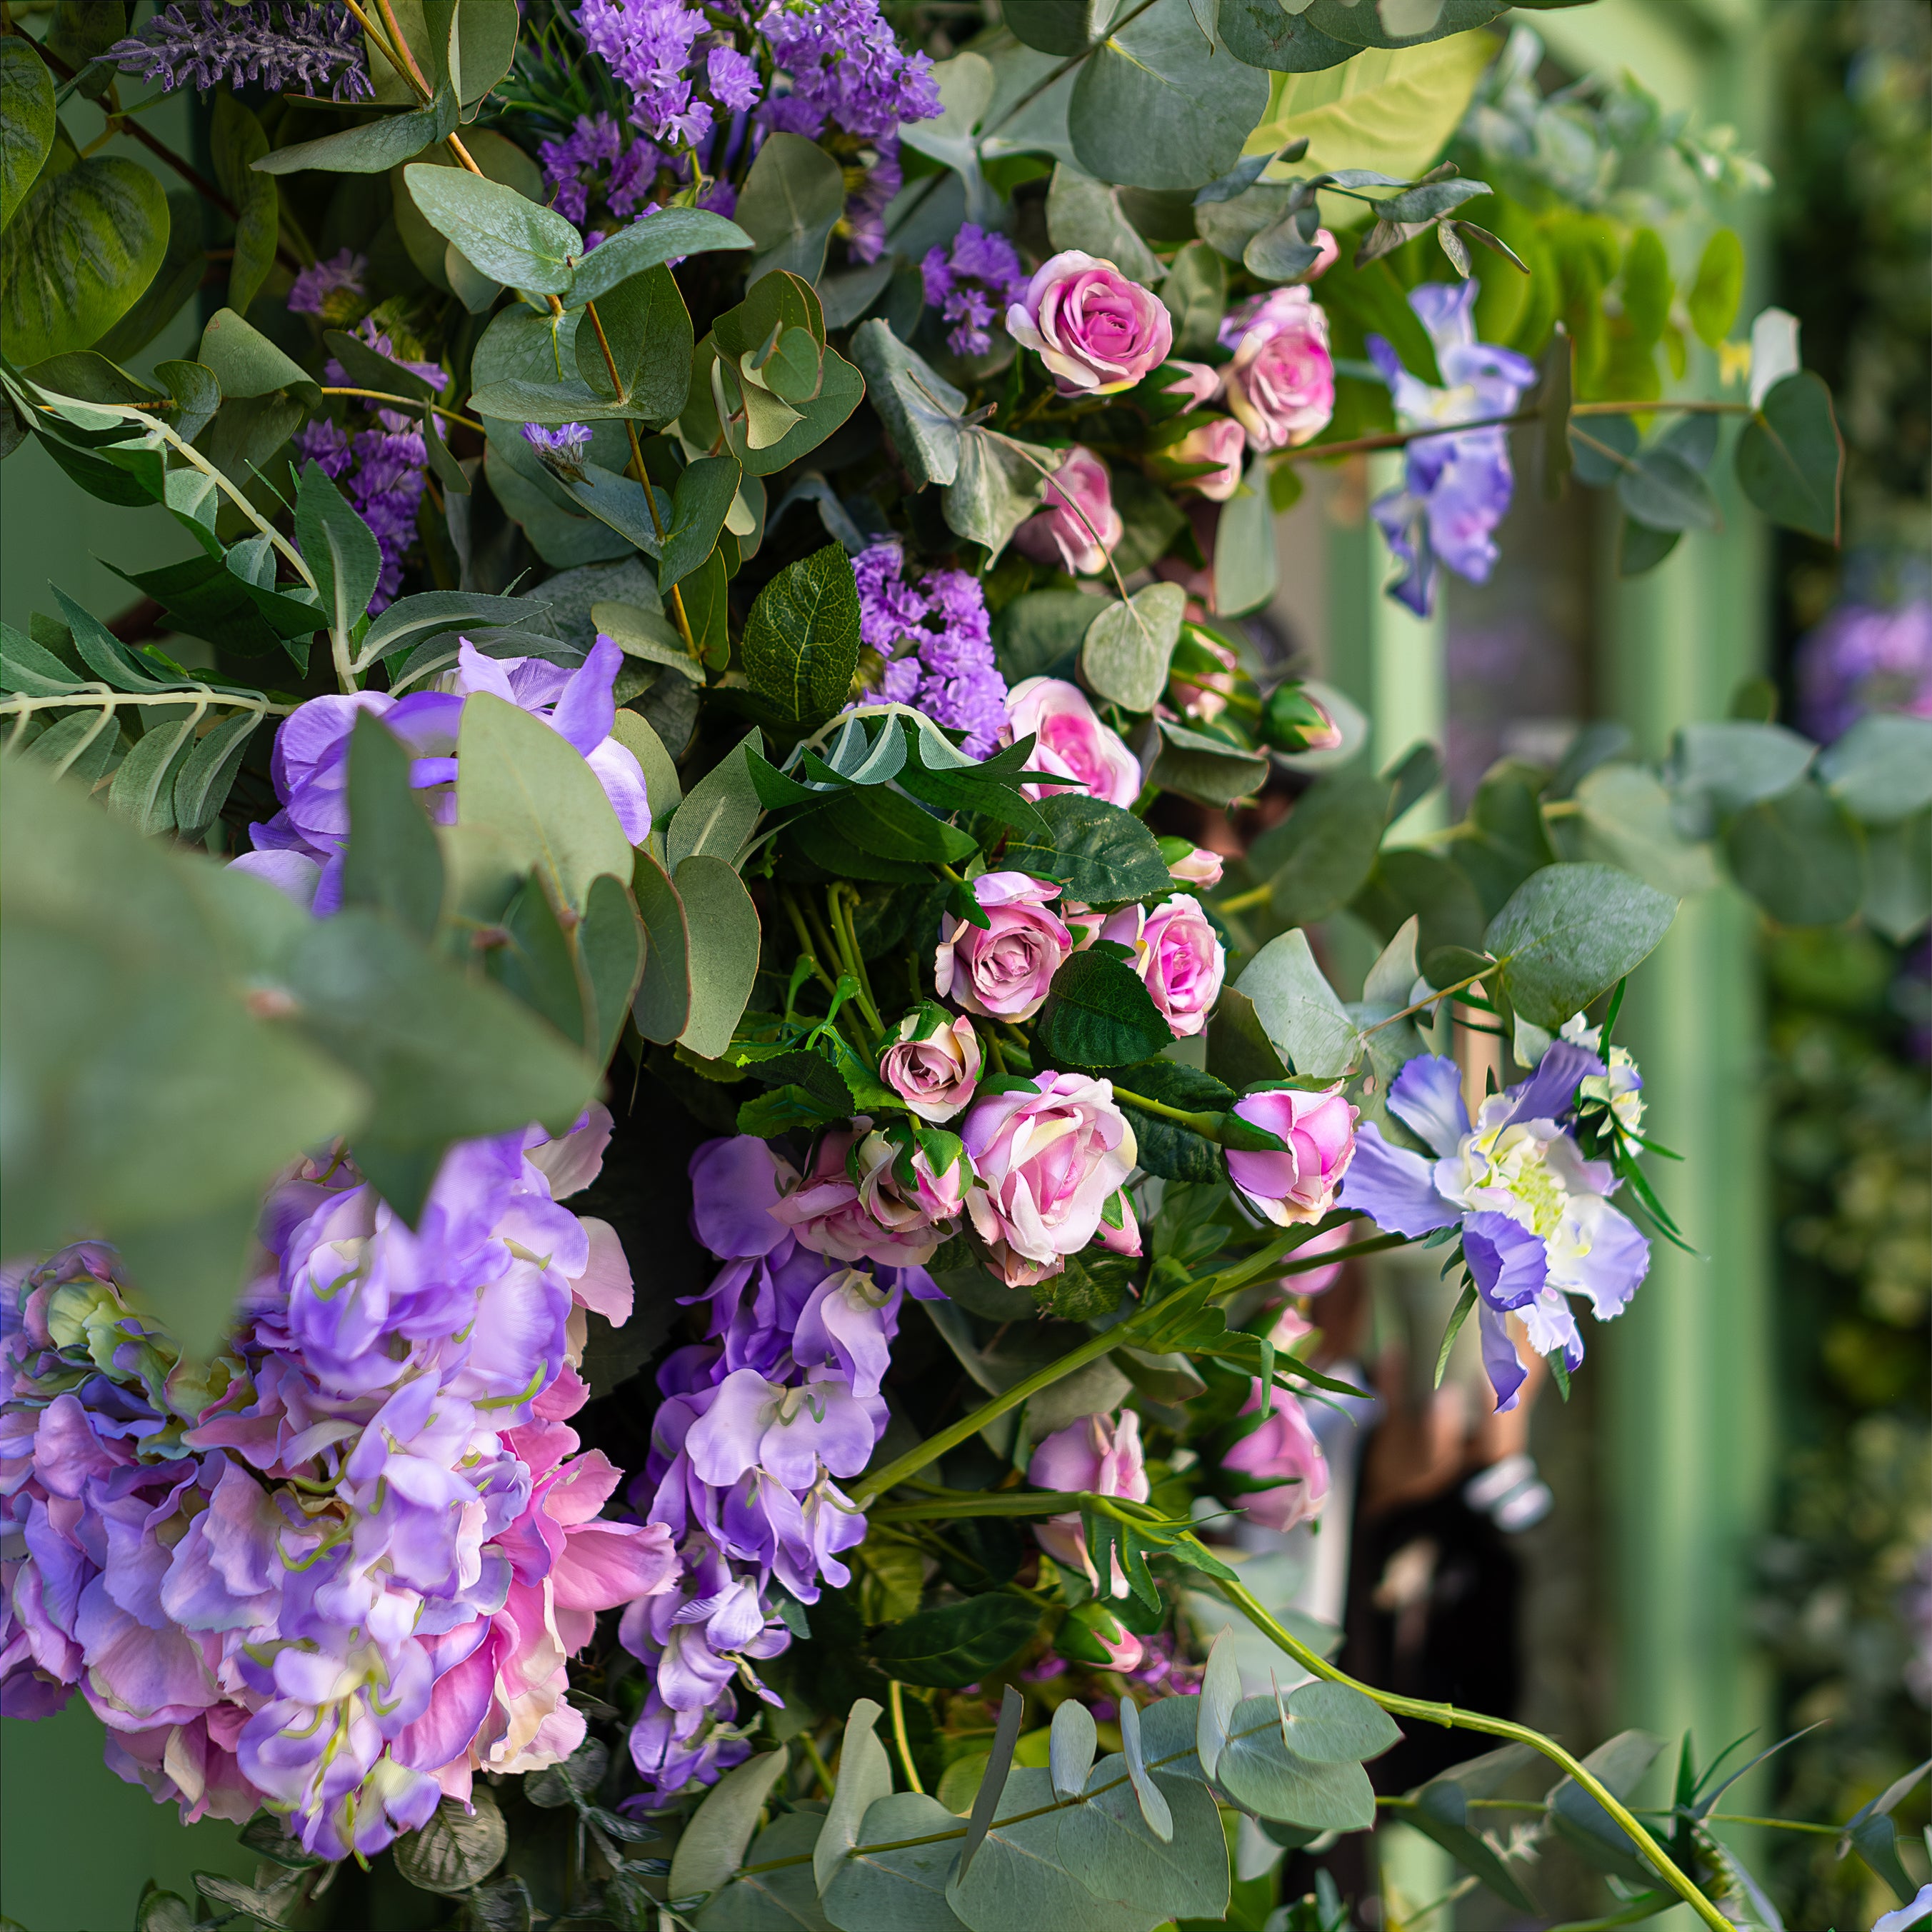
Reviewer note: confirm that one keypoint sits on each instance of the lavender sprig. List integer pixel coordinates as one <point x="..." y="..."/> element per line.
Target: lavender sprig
<point x="284" y="46"/>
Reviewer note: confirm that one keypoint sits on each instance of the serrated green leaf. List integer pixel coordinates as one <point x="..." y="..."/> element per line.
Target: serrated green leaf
<point x="801" y="642"/>
<point x="459" y="1846"/>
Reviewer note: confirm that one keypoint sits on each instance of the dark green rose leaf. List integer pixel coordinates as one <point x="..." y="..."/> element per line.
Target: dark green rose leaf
<point x="957" y="1644"/>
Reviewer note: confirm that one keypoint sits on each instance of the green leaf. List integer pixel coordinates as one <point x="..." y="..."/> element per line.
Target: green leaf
<point x="1107" y="1845"/>
<point x="393" y="862"/>
<point x="1734" y="762"/>
<point x="459" y="1846"/>
<point x="699" y="506"/>
<point x="338" y="546"/>
<point x="919" y="408"/>
<point x="901" y="1891"/>
<point x="271" y="1905"/>
<point x="1102" y="855"/>
<point x="1322" y="854"/>
<point x="1663" y="491"/>
<point x="1335" y="1724"/>
<point x="1195" y="291"/>
<point x="1262" y="1775"/>
<point x="1790" y="458"/>
<point x="1156" y="107"/>
<point x="1714" y="296"/>
<point x="1258" y="32"/>
<point x="1167" y="1148"/>
<point x="645" y="243"/>
<point x="1071" y="1747"/>
<point x="782" y="1900"/>
<point x="662" y="1005"/>
<point x="793" y="195"/>
<point x="527" y="785"/>
<point x="801" y="642"/>
<point x="1056" y="26"/>
<point x="238" y="142"/>
<point x="712" y="1846"/>
<point x="367" y="369"/>
<point x="865" y="1777"/>
<point x="1440" y="1812"/>
<point x="1800" y="856"/>
<point x="1880" y="771"/>
<point x="202" y="782"/>
<point x="1299" y="1010"/>
<point x="720" y="812"/>
<point x="26" y="120"/>
<point x="1086" y="214"/>
<point x="1244" y="557"/>
<point x="890" y="827"/>
<point x="247" y="364"/>
<point x="509" y="238"/>
<point x="80" y="249"/>
<point x="1125" y="654"/>
<point x="409" y="621"/>
<point x="1897" y="898"/>
<point x="1618" y="1765"/>
<point x="1647" y="286"/>
<point x="723" y="925"/>
<point x="608" y="948"/>
<point x="957" y="1644"/>
<point x="649" y="331"/>
<point x="1569" y="933"/>
<point x="143" y="791"/>
<point x="1015" y="1877"/>
<point x="373" y="149"/>
<point x="1209" y="770"/>
<point x="998" y="486"/>
<point x="1625" y="819"/>
<point x="1099" y="1014"/>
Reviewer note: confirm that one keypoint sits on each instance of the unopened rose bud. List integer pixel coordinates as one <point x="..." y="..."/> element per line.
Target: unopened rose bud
<point x="1093" y="1634"/>
<point x="1292" y="721"/>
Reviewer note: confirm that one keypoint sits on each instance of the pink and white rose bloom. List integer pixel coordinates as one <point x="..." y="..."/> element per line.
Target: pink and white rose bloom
<point x="1002" y="971"/>
<point x="1096" y="330"/>
<point x="933" y="1064"/>
<point x="1199" y="382"/>
<point x="1050" y="1157"/>
<point x="1097" y="1455"/>
<point x="825" y="1211"/>
<point x="902" y="1190"/>
<point x="1197" y="866"/>
<point x="1223" y="441"/>
<point x="1299" y="1186"/>
<point x="1282" y="1454"/>
<point x="1069" y="739"/>
<point x="1177" y="953"/>
<point x="1079" y="529"/>
<point x="1281" y="384"/>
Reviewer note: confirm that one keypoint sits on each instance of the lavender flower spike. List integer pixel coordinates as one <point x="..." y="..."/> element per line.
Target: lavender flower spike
<point x="285" y="46"/>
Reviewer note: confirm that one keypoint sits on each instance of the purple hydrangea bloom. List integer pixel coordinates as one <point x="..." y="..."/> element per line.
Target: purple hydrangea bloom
<point x="974" y="286"/>
<point x="937" y="640"/>
<point x="846" y="64"/>
<point x="1863" y="658"/>
<point x="1536" y="1220"/>
<point x="1456" y="486"/>
<point x="285" y="47"/>
<point x="301" y="849"/>
<point x="312" y="287"/>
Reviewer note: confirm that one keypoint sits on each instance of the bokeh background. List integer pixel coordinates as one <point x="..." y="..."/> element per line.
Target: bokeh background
<point x="1738" y="1532"/>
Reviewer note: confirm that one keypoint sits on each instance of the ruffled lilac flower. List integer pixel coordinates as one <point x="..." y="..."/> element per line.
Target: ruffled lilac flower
<point x="936" y="639"/>
<point x="301" y="849"/>
<point x="309" y="293"/>
<point x="974" y="286"/>
<point x="846" y="64"/>
<point x="1536" y="1221"/>
<point x="340" y="1568"/>
<point x="285" y="47"/>
<point x="1455" y="487"/>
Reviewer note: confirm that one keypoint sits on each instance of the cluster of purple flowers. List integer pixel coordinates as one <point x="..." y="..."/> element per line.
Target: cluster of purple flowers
<point x="1456" y="486"/>
<point x="761" y="1421"/>
<point x="311" y="292"/>
<point x="285" y="45"/>
<point x="593" y="160"/>
<point x="846" y="65"/>
<point x="1862" y="657"/>
<point x="974" y="286"/>
<point x="341" y="1567"/>
<point x="649" y="45"/>
<point x="937" y="640"/>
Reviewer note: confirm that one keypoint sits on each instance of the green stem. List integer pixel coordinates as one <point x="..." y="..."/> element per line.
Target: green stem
<point x="1251" y="1607"/>
<point x="1204" y="1124"/>
<point x="820" y="1768"/>
<point x="1243" y="902"/>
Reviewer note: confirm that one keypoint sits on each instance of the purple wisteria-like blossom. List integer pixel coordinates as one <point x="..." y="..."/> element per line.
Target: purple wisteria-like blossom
<point x="937" y="640"/>
<point x="340" y="1568"/>
<point x="973" y="286"/>
<point x="279" y="44"/>
<point x="1456" y="486"/>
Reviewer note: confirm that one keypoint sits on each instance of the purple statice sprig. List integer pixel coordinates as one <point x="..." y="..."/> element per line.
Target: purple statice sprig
<point x="936" y="639"/>
<point x="973" y="286"/>
<point x="281" y="45"/>
<point x="564" y="448"/>
<point x="847" y="65"/>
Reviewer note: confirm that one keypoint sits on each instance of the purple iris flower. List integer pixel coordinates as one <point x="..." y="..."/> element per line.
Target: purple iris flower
<point x="1536" y="1224"/>
<point x="1456" y="486"/>
<point x="301" y="849"/>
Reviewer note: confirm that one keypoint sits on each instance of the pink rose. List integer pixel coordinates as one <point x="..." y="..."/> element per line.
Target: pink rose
<point x="933" y="1063"/>
<point x="1095" y="331"/>
<point x="1298" y="1186"/>
<point x="1198" y="383"/>
<point x="1281" y="383"/>
<point x="1201" y="673"/>
<point x="1091" y="1633"/>
<point x="825" y="1211"/>
<point x="1293" y="720"/>
<point x="1079" y="527"/>
<point x="1177" y="952"/>
<point x="1003" y="970"/>
<point x="1191" y="865"/>
<point x="1093" y="1456"/>
<point x="1050" y="1157"/>
<point x="916" y="1201"/>
<point x="1223" y="441"/>
<point x="1281" y="1457"/>
<point x="1070" y="740"/>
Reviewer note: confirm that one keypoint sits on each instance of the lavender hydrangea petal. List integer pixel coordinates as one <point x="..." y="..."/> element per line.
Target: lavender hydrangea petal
<point x="1396" y="1188"/>
<point x="1427" y="1096"/>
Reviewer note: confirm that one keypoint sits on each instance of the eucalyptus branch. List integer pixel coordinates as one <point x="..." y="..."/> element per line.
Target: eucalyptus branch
<point x="1251" y="1607"/>
<point x="407" y="403"/>
<point x="1397" y="438"/>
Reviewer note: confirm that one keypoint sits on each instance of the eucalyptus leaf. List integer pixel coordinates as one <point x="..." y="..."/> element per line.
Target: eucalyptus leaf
<point x="712" y="1846"/>
<point x="903" y="1890"/>
<point x="1125" y="654"/>
<point x="510" y="239"/>
<point x="724" y="937"/>
<point x="865" y="1777"/>
<point x="1260" y="1772"/>
<point x="1300" y="1013"/>
<point x="793" y="196"/>
<point x="1790" y="458"/>
<point x="1569" y="932"/>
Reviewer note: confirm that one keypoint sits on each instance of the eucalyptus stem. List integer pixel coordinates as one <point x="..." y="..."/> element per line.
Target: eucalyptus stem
<point x="406" y="403"/>
<point x="896" y="1697"/>
<point x="1251" y="1607"/>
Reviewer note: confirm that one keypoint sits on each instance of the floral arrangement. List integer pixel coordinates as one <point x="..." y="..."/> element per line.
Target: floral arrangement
<point x="756" y="525"/>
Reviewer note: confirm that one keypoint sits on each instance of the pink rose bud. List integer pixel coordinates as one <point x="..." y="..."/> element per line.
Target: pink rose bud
<point x="1191" y="865"/>
<point x="1176" y="952"/>
<point x="1325" y="260"/>
<point x="1003" y="969"/>
<point x="1292" y="721"/>
<point x="1049" y="1155"/>
<point x="825" y="1212"/>
<point x="1282" y="1457"/>
<point x="1091" y="1633"/>
<point x="1098" y="1456"/>
<point x="1201" y="674"/>
<point x="1070" y="741"/>
<point x="1292" y="1327"/>
<point x="1195" y="383"/>
<point x="933" y="1063"/>
<point x="1319" y="1129"/>
<point x="913" y="1186"/>
<point x="1281" y="384"/>
<point x="1079" y="527"/>
<point x="1095" y="330"/>
<point x="1223" y="441"/>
